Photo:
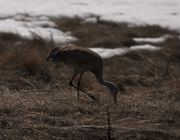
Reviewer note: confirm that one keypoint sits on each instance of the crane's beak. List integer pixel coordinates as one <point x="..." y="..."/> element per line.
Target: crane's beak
<point x="47" y="59"/>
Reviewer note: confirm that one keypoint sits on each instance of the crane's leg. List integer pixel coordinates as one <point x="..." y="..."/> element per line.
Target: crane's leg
<point x="79" y="89"/>
<point x="72" y="79"/>
<point x="78" y="84"/>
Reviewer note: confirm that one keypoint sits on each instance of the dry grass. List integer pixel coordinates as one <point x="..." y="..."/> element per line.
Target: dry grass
<point x="56" y="114"/>
<point x="108" y="34"/>
<point x="37" y="103"/>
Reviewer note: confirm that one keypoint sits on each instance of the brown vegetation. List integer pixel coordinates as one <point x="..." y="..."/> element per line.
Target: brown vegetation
<point x="108" y="34"/>
<point x="37" y="103"/>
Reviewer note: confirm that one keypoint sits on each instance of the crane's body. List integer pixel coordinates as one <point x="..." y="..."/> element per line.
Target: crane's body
<point x="82" y="60"/>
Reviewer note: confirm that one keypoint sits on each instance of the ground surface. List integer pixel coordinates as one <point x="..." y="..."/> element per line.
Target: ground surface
<point x="36" y="102"/>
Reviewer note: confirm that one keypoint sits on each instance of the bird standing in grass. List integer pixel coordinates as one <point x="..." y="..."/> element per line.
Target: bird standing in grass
<point x="82" y="60"/>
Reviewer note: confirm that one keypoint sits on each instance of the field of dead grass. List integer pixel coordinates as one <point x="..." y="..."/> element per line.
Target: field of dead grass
<point x="36" y="102"/>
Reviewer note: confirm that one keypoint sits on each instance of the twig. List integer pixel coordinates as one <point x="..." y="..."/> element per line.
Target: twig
<point x="28" y="82"/>
<point x="37" y="90"/>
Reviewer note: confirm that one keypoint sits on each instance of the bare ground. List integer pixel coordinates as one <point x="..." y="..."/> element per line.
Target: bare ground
<point x="36" y="102"/>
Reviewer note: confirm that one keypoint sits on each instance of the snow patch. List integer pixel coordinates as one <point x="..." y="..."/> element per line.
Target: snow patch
<point x="107" y="53"/>
<point x="153" y="40"/>
<point x="26" y="27"/>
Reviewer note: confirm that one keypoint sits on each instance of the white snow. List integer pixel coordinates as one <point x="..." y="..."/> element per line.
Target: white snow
<point x="161" y="12"/>
<point x="107" y="53"/>
<point x="144" y="47"/>
<point x="27" y="16"/>
<point x="153" y="40"/>
<point x="26" y="27"/>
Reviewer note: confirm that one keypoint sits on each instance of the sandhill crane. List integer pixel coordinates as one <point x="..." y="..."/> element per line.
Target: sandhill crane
<point x="82" y="60"/>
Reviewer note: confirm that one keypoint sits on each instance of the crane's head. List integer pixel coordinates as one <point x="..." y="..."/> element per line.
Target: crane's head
<point x="54" y="55"/>
<point x="113" y="90"/>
